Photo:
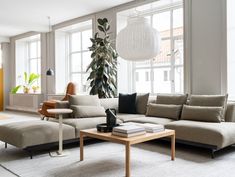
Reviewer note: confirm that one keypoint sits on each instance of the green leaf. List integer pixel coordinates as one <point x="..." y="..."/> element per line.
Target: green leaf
<point x="101" y="28"/>
<point x="100" y="21"/>
<point x="15" y="89"/>
<point x="25" y="77"/>
<point x="32" y="78"/>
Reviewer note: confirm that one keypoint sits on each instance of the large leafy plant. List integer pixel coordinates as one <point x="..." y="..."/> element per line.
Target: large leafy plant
<point x="104" y="63"/>
<point x="28" y="82"/>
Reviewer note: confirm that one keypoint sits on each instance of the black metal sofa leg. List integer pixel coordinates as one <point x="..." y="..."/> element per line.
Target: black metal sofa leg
<point x="213" y="153"/>
<point x="5" y="145"/>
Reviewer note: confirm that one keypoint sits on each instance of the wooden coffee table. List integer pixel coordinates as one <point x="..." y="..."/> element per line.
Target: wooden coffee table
<point x="127" y="142"/>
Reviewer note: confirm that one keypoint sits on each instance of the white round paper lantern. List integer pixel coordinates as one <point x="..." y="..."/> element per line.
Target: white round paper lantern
<point x="138" y="40"/>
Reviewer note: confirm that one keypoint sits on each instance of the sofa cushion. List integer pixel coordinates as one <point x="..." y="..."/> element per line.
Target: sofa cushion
<point x="210" y="100"/>
<point x="176" y="99"/>
<point x="31" y="133"/>
<point x="84" y="100"/>
<point x="141" y="103"/>
<point x="126" y="103"/>
<point x="124" y="117"/>
<point x="216" y="134"/>
<point x="163" y="110"/>
<point x="88" y="111"/>
<point x="202" y="113"/>
<point x="80" y="124"/>
<point x="153" y="120"/>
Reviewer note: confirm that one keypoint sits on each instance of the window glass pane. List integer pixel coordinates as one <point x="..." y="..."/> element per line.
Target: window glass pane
<point x="86" y="58"/>
<point x="161" y="22"/>
<point x="85" y="83"/>
<point x="33" y="66"/>
<point x="164" y="57"/>
<point x="33" y="50"/>
<point x="76" y="78"/>
<point x="178" y="22"/>
<point x="75" y="62"/>
<point x="160" y="85"/>
<point x="142" y="84"/>
<point x="76" y="42"/>
<point x="39" y="49"/>
<point x="86" y="35"/>
<point x="39" y="66"/>
<point x="179" y="52"/>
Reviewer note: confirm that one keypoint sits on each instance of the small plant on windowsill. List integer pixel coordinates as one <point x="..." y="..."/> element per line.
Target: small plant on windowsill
<point x="104" y="63"/>
<point x="28" y="82"/>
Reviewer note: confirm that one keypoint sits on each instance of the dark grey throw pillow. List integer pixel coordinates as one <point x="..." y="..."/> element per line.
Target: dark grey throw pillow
<point x="176" y="99"/>
<point x="164" y="110"/>
<point x="141" y="103"/>
<point x="126" y="103"/>
<point x="202" y="113"/>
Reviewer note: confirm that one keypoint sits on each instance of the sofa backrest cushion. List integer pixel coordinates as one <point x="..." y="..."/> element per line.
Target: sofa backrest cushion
<point x="210" y="100"/>
<point x="88" y="111"/>
<point x="84" y="100"/>
<point x="202" y="113"/>
<point x="141" y="103"/>
<point x="164" y="110"/>
<point x="176" y="99"/>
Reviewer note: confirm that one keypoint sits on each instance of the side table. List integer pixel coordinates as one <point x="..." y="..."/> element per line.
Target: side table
<point x="60" y="112"/>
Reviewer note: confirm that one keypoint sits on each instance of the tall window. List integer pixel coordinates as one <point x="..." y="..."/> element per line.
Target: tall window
<point x="79" y="57"/>
<point x="230" y="48"/>
<point x="28" y="58"/>
<point x="164" y="73"/>
<point x="73" y="56"/>
<point x="34" y="57"/>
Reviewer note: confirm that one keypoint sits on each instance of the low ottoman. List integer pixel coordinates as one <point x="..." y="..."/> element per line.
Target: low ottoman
<point x="27" y="134"/>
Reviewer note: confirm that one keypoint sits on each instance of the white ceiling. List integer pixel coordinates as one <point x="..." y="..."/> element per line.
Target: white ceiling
<point x="19" y="16"/>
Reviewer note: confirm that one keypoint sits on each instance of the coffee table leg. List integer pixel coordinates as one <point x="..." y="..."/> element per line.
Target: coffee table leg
<point x="81" y="146"/>
<point x="128" y="173"/>
<point x="173" y="147"/>
<point x="60" y="135"/>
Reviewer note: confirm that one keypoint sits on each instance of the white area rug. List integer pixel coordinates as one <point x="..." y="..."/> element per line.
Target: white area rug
<point x="107" y="160"/>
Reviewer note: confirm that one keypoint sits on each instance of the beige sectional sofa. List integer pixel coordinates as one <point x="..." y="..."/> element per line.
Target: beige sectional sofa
<point x="207" y="134"/>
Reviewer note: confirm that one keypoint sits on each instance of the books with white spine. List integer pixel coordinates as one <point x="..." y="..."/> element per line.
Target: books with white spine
<point x="150" y="128"/>
<point x="128" y="135"/>
<point x="128" y="129"/>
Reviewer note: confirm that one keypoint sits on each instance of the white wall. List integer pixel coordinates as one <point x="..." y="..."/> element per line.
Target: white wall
<point x="208" y="46"/>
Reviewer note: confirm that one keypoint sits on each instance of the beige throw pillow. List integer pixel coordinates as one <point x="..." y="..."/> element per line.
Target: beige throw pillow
<point x="84" y="100"/>
<point x="176" y="99"/>
<point x="211" y="101"/>
<point x="163" y="110"/>
<point x="202" y="113"/>
<point x="88" y="111"/>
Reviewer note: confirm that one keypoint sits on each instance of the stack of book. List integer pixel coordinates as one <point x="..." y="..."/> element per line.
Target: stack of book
<point x="152" y="128"/>
<point x="128" y="130"/>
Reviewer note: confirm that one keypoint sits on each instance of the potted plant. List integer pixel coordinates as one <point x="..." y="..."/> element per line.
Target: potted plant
<point x="103" y="66"/>
<point x="28" y="82"/>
